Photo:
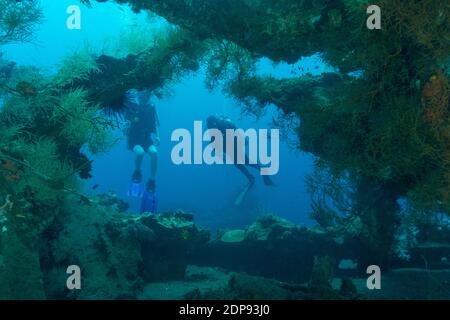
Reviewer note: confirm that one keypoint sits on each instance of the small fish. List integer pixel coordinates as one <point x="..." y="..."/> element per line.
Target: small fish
<point x="95" y="186"/>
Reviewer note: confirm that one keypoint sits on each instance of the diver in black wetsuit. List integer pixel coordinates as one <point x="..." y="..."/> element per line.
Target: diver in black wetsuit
<point x="143" y="134"/>
<point x="222" y="123"/>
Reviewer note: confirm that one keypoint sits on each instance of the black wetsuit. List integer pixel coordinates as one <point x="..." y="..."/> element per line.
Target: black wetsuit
<point x="222" y="124"/>
<point x="143" y="122"/>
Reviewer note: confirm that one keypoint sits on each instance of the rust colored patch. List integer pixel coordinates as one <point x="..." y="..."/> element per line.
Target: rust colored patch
<point x="26" y="89"/>
<point x="11" y="173"/>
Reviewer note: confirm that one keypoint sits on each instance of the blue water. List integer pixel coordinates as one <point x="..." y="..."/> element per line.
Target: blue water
<point x="206" y="191"/>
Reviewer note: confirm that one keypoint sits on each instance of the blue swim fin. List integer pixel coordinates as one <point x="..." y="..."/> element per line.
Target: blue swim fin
<point x="136" y="189"/>
<point x="149" y="202"/>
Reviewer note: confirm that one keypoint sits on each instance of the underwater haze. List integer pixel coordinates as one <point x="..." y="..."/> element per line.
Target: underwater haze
<point x="206" y="191"/>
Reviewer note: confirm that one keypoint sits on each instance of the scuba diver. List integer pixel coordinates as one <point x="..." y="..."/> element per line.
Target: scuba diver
<point x="143" y="137"/>
<point x="222" y="123"/>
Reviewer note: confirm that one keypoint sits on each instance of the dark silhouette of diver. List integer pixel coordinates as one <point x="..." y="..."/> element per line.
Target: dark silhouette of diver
<point x="223" y="123"/>
<point x="143" y="137"/>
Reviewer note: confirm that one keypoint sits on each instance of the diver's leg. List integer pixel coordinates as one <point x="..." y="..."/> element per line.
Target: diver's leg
<point x="248" y="175"/>
<point x="268" y="181"/>
<point x="241" y="167"/>
<point x="244" y="170"/>
<point x="254" y="165"/>
<point x="139" y="156"/>
<point x="153" y="152"/>
<point x="257" y="166"/>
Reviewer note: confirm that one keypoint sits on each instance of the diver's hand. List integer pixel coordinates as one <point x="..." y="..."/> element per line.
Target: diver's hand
<point x="157" y="141"/>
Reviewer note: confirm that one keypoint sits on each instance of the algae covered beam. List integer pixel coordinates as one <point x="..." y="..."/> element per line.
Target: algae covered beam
<point x="178" y="54"/>
<point x="281" y="30"/>
<point x="287" y="94"/>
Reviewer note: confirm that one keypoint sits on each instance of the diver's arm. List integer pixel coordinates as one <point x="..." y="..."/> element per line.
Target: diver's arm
<point x="157" y="124"/>
<point x="157" y="135"/>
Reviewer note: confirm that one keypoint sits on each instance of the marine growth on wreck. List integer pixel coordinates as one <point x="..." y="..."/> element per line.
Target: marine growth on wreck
<point x="372" y="118"/>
